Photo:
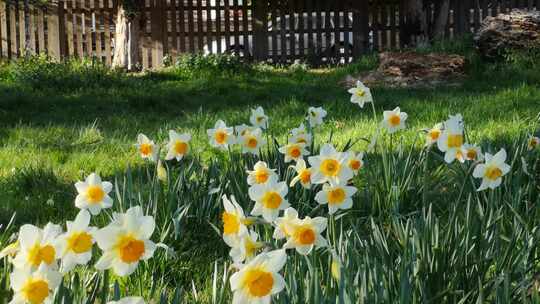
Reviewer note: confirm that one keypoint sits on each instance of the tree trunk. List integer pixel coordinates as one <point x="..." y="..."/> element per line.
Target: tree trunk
<point x="415" y="28"/>
<point x="126" y="44"/>
<point x="441" y="20"/>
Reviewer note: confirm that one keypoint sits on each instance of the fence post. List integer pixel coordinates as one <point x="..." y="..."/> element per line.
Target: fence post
<point x="157" y="20"/>
<point x="260" y="40"/>
<point x="360" y="27"/>
<point x="55" y="30"/>
<point x="3" y="30"/>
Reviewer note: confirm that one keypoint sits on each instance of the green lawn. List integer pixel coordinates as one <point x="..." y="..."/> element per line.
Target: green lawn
<point x="59" y="123"/>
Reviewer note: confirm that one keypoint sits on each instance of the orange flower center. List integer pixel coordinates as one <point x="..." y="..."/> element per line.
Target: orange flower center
<point x="95" y="194"/>
<point x="146" y="149"/>
<point x="38" y="255"/>
<point x="295" y="152"/>
<point x="79" y="242"/>
<point x="434" y="134"/>
<point x="471" y="154"/>
<point x="220" y="137"/>
<point x="394" y="120"/>
<point x="35" y="291"/>
<point x="493" y="173"/>
<point x="261" y="176"/>
<point x="272" y="200"/>
<point x="454" y="141"/>
<point x="336" y="196"/>
<point x="258" y="282"/>
<point x="181" y="147"/>
<point x="330" y="167"/>
<point x="355" y="164"/>
<point x="252" y="142"/>
<point x="130" y="249"/>
<point x="305" y="236"/>
<point x="305" y="176"/>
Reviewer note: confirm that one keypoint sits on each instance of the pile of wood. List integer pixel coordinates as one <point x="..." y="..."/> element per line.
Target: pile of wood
<point x="514" y="31"/>
<point x="411" y="69"/>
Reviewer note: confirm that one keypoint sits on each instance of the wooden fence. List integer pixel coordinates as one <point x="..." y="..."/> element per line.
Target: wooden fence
<point x="278" y="31"/>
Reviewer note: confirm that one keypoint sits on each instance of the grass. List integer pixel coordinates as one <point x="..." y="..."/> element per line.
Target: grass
<point x="61" y="122"/>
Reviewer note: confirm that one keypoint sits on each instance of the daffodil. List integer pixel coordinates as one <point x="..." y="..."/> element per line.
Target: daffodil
<point x="293" y="151"/>
<point x="269" y="198"/>
<point x="34" y="287"/>
<point x="394" y="120"/>
<point x="178" y="145"/>
<point x="316" y="116"/>
<point x="258" y="280"/>
<point x="360" y="94"/>
<point x="240" y="130"/>
<point x="247" y="247"/>
<point x="284" y="223"/>
<point x="336" y="195"/>
<point x="335" y="266"/>
<point x="252" y="141"/>
<point x="303" y="175"/>
<point x="258" y="118"/>
<point x="433" y="134"/>
<point x="221" y="136"/>
<point x="329" y="165"/>
<point x="300" y="136"/>
<point x="355" y="161"/>
<point x="533" y="142"/>
<point x="37" y="246"/>
<point x="162" y="172"/>
<point x="234" y="221"/>
<point x="306" y="234"/>
<point x="128" y="300"/>
<point x="126" y="241"/>
<point x="10" y="250"/>
<point x="472" y="152"/>
<point x="492" y="171"/>
<point x="147" y="148"/>
<point x="451" y="140"/>
<point x="93" y="194"/>
<point x="260" y="174"/>
<point x="75" y="245"/>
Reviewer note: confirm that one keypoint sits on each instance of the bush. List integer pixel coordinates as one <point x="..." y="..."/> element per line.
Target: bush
<point x="197" y="64"/>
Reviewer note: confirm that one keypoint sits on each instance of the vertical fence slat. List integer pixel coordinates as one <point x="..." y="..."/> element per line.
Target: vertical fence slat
<point x="107" y="15"/>
<point x="22" y="30"/>
<point x="157" y="34"/>
<point x="13" y="31"/>
<point x="3" y="30"/>
<point x="245" y="28"/>
<point x="70" y="29"/>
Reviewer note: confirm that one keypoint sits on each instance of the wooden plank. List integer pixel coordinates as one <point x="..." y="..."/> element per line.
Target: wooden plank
<point x="347" y="10"/>
<point x="22" y="29"/>
<point x="329" y="19"/>
<point x="182" y="23"/>
<point x="299" y="7"/>
<point x="107" y="33"/>
<point x="283" y="30"/>
<point x="274" y="33"/>
<point x="360" y="27"/>
<point x="41" y="30"/>
<point x="157" y="34"/>
<point x="98" y="30"/>
<point x="88" y="29"/>
<point x="69" y="29"/>
<point x="13" y="32"/>
<point x="246" y="11"/>
<point x="200" y="28"/>
<point x="190" y="31"/>
<point x="309" y="30"/>
<point x="4" y="43"/>
<point x="173" y="50"/>
<point x="53" y="34"/>
<point x="393" y="26"/>
<point x="260" y="30"/>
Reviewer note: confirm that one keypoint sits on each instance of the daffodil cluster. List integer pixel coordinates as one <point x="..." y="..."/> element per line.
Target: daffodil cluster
<point x="42" y="256"/>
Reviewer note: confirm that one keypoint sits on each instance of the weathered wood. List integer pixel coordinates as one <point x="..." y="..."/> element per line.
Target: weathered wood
<point x="4" y="43"/>
<point x="157" y="34"/>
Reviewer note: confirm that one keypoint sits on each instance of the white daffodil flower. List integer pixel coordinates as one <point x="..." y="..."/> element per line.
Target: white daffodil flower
<point x="247" y="247"/>
<point x="360" y="94"/>
<point x="147" y="148"/>
<point x="75" y="246"/>
<point x="234" y="221"/>
<point x="329" y="165"/>
<point x="221" y="136"/>
<point x="269" y="198"/>
<point x="316" y="116"/>
<point x="492" y="171"/>
<point x="293" y="151"/>
<point x="252" y="141"/>
<point x="34" y="287"/>
<point x="355" y="162"/>
<point x="532" y="143"/>
<point x="126" y="241"/>
<point x="37" y="246"/>
<point x="257" y="281"/>
<point x="336" y="196"/>
<point x="300" y="136"/>
<point x="260" y="174"/>
<point x="129" y="300"/>
<point x="258" y="118"/>
<point x="303" y="175"/>
<point x="451" y="140"/>
<point x="306" y="234"/>
<point x="283" y="223"/>
<point x="178" y="145"/>
<point x="394" y="120"/>
<point x="93" y="194"/>
<point x="433" y="134"/>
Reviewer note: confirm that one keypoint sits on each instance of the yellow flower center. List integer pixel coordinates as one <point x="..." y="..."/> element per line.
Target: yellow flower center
<point x="305" y="235"/>
<point x="252" y="142"/>
<point x="471" y="154"/>
<point x="258" y="282"/>
<point x="130" y="249"/>
<point x="251" y="247"/>
<point x="394" y="120"/>
<point x="301" y="140"/>
<point x="336" y="196"/>
<point x="95" y="194"/>
<point x="261" y="176"/>
<point x="35" y="291"/>
<point x="260" y="119"/>
<point x="454" y="140"/>
<point x="330" y="167"/>
<point x="39" y="254"/>
<point x="336" y="270"/>
<point x="220" y="136"/>
<point x="305" y="176"/>
<point x="493" y="173"/>
<point x="146" y="149"/>
<point x="434" y="134"/>
<point x="231" y="224"/>
<point x="295" y="152"/>
<point x="180" y="147"/>
<point x="533" y="142"/>
<point x="271" y="200"/>
<point x="360" y="93"/>
<point x="80" y="242"/>
<point x="355" y="164"/>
